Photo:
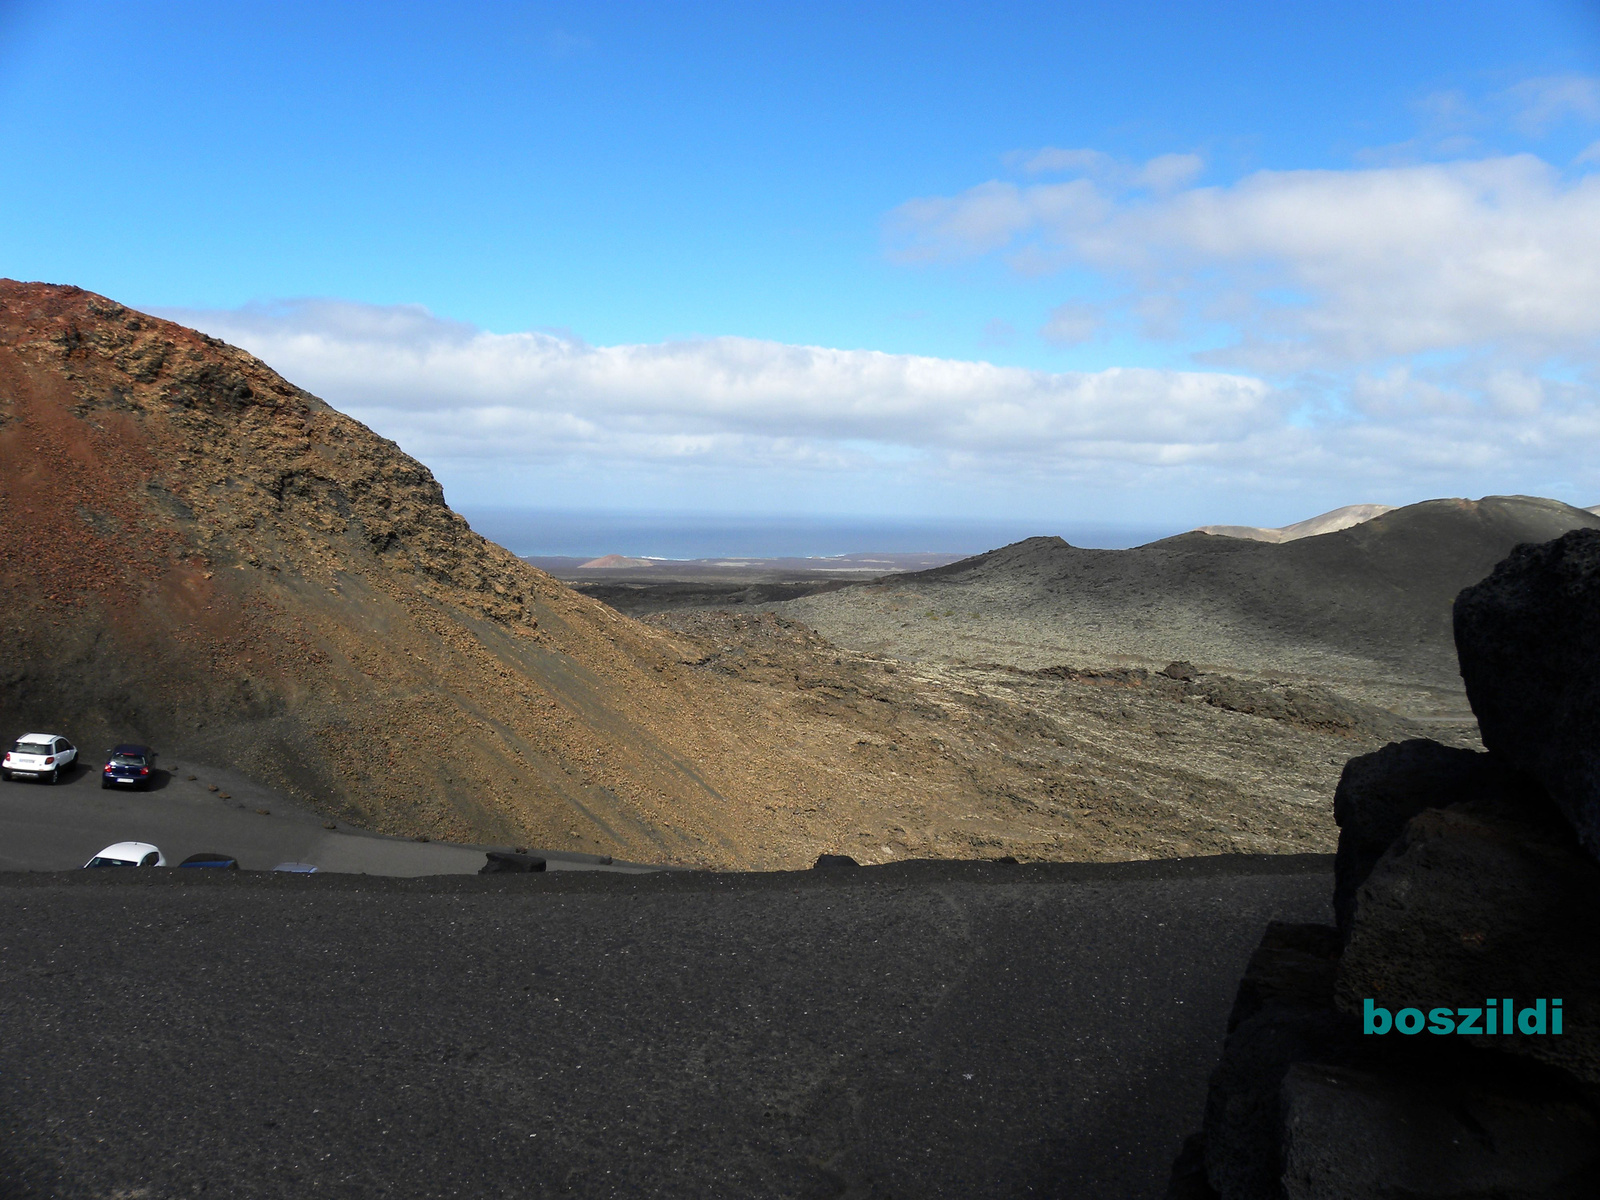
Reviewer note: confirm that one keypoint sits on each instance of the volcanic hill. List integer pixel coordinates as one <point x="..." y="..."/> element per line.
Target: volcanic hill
<point x="1365" y="608"/>
<point x="201" y="555"/>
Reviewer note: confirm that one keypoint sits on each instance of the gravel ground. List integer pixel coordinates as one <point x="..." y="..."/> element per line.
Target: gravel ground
<point x="919" y="1030"/>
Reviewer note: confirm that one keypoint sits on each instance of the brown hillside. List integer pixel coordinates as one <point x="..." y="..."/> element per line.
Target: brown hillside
<point x="200" y="554"/>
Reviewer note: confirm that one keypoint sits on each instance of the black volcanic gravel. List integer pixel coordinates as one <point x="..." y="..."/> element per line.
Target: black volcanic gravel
<point x="962" y="1030"/>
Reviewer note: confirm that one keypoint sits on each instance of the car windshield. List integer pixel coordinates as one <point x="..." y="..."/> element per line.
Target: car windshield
<point x="32" y="748"/>
<point x="101" y="861"/>
<point x="128" y="760"/>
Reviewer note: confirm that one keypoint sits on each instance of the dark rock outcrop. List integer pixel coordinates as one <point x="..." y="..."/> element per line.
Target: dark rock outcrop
<point x="1528" y="637"/>
<point x="502" y="862"/>
<point x="834" y="862"/>
<point x="1379" y="792"/>
<point x="1479" y="902"/>
<point x="1360" y="1135"/>
<point x="1305" y="1106"/>
<point x="1284" y="1014"/>
<point x="1466" y="883"/>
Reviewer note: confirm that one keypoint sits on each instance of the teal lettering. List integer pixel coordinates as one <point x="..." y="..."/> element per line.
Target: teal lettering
<point x="1441" y="1020"/>
<point x="1469" y="1020"/>
<point x="1373" y="1018"/>
<point x="1531" y="1020"/>
<point x="1555" y="1016"/>
<point x="1408" y="1020"/>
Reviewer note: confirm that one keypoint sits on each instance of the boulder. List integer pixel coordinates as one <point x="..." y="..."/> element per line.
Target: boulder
<point x="501" y="862"/>
<point x="1294" y="966"/>
<point x="1284" y="1014"/>
<point x="1188" y="1178"/>
<point x="1482" y="901"/>
<point x="1356" y="1135"/>
<point x="1528" y="638"/>
<point x="834" y="862"/>
<point x="1379" y="792"/>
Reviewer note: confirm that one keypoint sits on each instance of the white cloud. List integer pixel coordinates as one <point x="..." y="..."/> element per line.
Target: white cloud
<point x="1330" y="268"/>
<point x="1540" y="104"/>
<point x="1053" y="160"/>
<point x="447" y="390"/>
<point x="991" y="216"/>
<point x="506" y="417"/>
<point x="1168" y="171"/>
<point x="1072" y="324"/>
<point x="1162" y="173"/>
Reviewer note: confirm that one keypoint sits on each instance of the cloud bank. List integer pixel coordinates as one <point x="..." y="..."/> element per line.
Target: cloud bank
<point x="495" y="414"/>
<point x="1309" y="268"/>
<point x="454" y="394"/>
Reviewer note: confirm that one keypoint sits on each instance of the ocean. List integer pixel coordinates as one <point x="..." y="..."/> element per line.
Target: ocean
<point x="592" y="533"/>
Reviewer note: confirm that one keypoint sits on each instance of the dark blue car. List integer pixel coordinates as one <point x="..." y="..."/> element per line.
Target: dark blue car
<point x="128" y="767"/>
<point x="210" y="859"/>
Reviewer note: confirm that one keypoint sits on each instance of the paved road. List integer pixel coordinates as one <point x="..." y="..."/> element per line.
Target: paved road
<point x="52" y="828"/>
<point x="915" y="1030"/>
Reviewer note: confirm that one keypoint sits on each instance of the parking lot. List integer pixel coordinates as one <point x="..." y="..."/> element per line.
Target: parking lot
<point x="53" y="828"/>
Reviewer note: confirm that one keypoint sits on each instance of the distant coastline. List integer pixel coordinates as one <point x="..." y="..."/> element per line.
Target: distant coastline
<point x="589" y="534"/>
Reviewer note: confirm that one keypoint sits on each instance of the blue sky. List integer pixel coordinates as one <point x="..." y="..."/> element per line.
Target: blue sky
<point x="1173" y="263"/>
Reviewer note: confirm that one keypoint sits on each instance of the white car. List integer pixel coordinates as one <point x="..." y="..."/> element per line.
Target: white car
<point x="128" y="854"/>
<point x="38" y="756"/>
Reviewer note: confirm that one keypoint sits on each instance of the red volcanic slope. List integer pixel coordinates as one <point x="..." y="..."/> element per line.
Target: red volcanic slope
<point x="199" y="554"/>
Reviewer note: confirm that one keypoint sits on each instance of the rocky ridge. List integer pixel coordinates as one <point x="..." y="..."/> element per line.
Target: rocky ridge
<point x="1328" y="522"/>
<point x="1364" y="610"/>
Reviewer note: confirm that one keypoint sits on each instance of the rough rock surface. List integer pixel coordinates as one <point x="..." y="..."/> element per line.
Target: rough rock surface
<point x="1062" y="763"/>
<point x="1283" y="1014"/>
<point x="1480" y="901"/>
<point x="1529" y="640"/>
<point x="1356" y="1135"/>
<point x="1379" y="792"/>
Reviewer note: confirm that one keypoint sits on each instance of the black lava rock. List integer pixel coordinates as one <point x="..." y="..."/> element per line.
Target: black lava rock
<point x="504" y="861"/>
<point x="1379" y="792"/>
<point x="834" y="862"/>
<point x="1529" y="641"/>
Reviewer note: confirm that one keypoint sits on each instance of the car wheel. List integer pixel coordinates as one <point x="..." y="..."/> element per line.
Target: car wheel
<point x="55" y="775"/>
<point x="105" y="783"/>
